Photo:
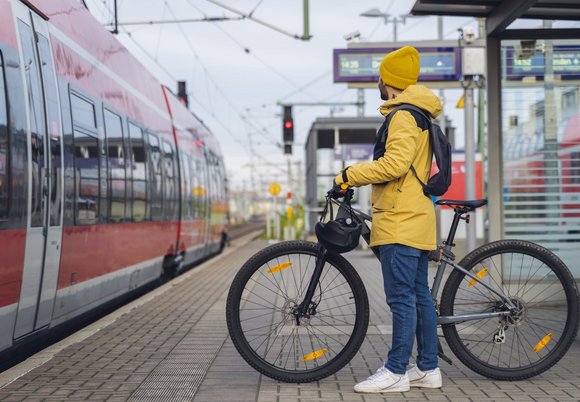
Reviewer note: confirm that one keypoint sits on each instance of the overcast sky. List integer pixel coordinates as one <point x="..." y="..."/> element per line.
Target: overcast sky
<point x="237" y="71"/>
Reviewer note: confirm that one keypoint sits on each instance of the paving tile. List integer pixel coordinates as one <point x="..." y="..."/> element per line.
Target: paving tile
<point x="177" y="348"/>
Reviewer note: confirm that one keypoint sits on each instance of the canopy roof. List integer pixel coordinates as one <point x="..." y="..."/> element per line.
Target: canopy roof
<point x="501" y="13"/>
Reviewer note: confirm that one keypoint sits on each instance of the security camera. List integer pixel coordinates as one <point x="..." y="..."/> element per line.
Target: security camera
<point x="352" y="36"/>
<point x="468" y="35"/>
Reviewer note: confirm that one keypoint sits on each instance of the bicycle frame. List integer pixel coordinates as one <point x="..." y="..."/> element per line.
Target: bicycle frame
<point x="445" y="251"/>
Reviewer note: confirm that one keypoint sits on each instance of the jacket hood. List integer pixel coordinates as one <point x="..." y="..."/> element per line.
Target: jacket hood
<point x="418" y="95"/>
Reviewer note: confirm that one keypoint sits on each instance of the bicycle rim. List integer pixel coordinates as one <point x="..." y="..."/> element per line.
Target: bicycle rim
<point x="272" y="339"/>
<point x="521" y="344"/>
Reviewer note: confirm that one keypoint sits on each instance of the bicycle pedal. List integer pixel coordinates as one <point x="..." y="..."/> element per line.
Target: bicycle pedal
<point x="441" y="354"/>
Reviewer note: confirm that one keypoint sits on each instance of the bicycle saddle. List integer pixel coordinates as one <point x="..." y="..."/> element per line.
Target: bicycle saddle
<point x="468" y="204"/>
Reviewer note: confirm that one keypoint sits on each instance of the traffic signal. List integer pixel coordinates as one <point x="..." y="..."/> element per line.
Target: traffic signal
<point x="288" y="125"/>
<point x="287" y="149"/>
<point x="182" y="93"/>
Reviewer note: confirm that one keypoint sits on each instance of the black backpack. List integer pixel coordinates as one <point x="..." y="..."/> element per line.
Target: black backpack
<point x="437" y="184"/>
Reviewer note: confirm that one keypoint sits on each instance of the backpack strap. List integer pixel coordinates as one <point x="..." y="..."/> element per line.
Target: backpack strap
<point x="421" y="112"/>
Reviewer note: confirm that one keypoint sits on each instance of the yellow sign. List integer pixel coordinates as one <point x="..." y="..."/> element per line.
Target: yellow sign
<point x="274" y="189"/>
<point x="198" y="191"/>
<point x="461" y="103"/>
<point x="289" y="210"/>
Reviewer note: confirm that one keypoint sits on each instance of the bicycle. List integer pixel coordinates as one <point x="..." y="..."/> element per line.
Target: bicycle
<point x="292" y="320"/>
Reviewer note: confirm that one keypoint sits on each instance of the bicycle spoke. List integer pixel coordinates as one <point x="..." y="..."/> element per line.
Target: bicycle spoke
<point x="297" y="343"/>
<point x="533" y="281"/>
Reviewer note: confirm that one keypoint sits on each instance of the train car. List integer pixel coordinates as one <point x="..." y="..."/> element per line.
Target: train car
<point x="107" y="182"/>
<point x="541" y="184"/>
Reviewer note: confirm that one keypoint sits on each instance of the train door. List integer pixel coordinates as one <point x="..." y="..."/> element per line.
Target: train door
<point x="207" y="199"/>
<point x="45" y="174"/>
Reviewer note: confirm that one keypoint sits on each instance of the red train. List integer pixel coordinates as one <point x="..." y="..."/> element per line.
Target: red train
<point x="107" y="181"/>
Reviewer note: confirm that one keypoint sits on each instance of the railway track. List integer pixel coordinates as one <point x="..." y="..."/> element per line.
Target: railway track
<point x="236" y="231"/>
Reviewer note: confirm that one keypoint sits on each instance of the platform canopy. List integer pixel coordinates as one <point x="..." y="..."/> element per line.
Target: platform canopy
<point x="500" y="14"/>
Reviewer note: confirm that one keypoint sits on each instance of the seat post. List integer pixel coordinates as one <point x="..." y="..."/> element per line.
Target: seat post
<point x="453" y="229"/>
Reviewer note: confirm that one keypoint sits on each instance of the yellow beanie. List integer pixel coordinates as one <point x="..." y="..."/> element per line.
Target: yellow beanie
<point x="400" y="68"/>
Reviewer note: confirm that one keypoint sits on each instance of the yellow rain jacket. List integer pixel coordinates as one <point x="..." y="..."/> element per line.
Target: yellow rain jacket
<point x="401" y="212"/>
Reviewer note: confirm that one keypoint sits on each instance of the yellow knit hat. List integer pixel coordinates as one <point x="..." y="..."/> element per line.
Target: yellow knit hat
<point x="400" y="68"/>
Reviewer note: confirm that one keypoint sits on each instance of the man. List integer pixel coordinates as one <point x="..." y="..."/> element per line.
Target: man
<point x="403" y="223"/>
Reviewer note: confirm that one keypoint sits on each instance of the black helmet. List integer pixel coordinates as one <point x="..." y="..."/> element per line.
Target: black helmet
<point x="339" y="235"/>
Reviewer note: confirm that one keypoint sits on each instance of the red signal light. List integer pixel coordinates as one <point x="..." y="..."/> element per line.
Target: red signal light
<point x="288" y="124"/>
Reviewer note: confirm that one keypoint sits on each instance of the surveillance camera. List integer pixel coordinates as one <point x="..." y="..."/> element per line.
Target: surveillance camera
<point x="468" y="35"/>
<point x="352" y="36"/>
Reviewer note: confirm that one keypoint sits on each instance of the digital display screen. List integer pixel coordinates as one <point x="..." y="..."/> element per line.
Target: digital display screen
<point x="362" y="65"/>
<point x="565" y="63"/>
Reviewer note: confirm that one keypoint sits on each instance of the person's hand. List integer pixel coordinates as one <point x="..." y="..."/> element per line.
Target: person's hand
<point x="338" y="190"/>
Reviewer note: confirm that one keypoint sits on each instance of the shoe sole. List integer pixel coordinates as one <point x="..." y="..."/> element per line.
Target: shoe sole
<point x="383" y="391"/>
<point x="418" y="384"/>
<point x="424" y="386"/>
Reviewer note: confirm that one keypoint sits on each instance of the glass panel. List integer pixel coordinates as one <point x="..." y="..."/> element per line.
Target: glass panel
<point x="170" y="181"/>
<point x="156" y="178"/>
<point x="186" y="193"/>
<point x="4" y="148"/>
<point x="37" y="123"/>
<point x="51" y="102"/>
<point x="83" y="112"/>
<point x="139" y="169"/>
<point x="116" y="161"/>
<point x="86" y="178"/>
<point x="541" y="145"/>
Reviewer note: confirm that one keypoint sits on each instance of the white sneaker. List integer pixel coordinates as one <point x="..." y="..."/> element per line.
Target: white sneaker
<point x="424" y="379"/>
<point x="383" y="381"/>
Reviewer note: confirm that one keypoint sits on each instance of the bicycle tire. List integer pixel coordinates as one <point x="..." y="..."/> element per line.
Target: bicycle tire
<point x="259" y="359"/>
<point x="557" y="274"/>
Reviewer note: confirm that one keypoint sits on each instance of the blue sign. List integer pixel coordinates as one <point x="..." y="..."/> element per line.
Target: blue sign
<point x="362" y="65"/>
<point x="350" y="152"/>
<point x="565" y="63"/>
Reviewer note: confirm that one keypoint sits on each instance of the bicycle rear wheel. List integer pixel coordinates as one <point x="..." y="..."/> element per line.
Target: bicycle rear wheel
<point x="528" y="341"/>
<point x="262" y="325"/>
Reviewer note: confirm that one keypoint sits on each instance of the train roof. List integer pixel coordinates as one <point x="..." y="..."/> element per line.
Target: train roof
<point x="74" y="25"/>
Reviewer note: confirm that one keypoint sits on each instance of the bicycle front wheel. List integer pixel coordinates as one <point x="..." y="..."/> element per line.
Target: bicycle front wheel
<point x="532" y="337"/>
<point x="261" y="323"/>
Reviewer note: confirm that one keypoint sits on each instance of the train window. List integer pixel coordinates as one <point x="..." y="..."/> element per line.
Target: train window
<point x="4" y="148"/>
<point x="116" y="166"/>
<point x="169" y="170"/>
<point x="195" y="186"/>
<point x="86" y="152"/>
<point x="83" y="112"/>
<point x="156" y="175"/>
<point x="202" y="193"/>
<point x="139" y="169"/>
<point x="186" y="192"/>
<point x="54" y="139"/>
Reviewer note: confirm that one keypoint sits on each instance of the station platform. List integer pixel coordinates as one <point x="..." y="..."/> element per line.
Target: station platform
<point x="172" y="344"/>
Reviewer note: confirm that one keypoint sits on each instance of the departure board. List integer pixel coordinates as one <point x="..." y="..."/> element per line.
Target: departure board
<point x="565" y="63"/>
<point x="362" y="65"/>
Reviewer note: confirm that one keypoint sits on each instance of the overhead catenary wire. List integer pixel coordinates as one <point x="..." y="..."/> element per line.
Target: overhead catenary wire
<point x="203" y="105"/>
<point x="259" y="129"/>
<point x="206" y="71"/>
<point x="254" y="19"/>
<point x="247" y="50"/>
<point x="192" y="97"/>
<point x="160" y="31"/>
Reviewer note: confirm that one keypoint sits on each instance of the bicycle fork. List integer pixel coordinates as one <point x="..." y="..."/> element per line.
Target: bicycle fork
<point x="306" y="308"/>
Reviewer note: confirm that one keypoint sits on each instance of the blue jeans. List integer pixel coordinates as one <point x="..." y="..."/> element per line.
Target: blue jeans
<point x="408" y="296"/>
